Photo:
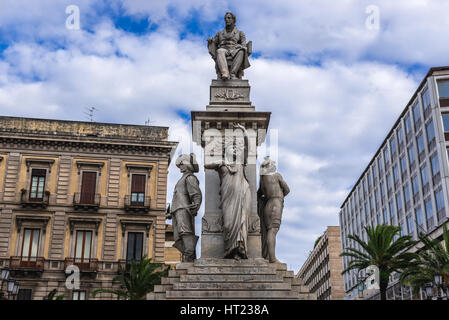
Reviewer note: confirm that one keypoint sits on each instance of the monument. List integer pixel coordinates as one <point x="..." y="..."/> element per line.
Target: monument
<point x="232" y="264"/>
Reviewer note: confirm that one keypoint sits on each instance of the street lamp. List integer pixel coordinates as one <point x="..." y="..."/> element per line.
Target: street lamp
<point x="10" y="285"/>
<point x="15" y="290"/>
<point x="4" y="277"/>
<point x="429" y="290"/>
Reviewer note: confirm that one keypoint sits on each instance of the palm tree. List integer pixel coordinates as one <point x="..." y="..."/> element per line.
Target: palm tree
<point x="381" y="250"/>
<point x="432" y="259"/>
<point x="52" y="295"/>
<point x="139" y="281"/>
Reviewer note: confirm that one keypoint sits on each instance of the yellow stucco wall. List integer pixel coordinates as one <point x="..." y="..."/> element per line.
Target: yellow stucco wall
<point x="24" y="184"/>
<point x="2" y="170"/>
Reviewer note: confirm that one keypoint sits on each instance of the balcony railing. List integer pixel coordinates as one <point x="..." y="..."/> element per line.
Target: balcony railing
<point x="85" y="265"/>
<point x="28" y="199"/>
<point x="86" y="200"/>
<point x="136" y="204"/>
<point x="27" y="263"/>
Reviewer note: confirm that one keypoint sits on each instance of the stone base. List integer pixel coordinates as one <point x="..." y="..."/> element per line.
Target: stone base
<point x="214" y="279"/>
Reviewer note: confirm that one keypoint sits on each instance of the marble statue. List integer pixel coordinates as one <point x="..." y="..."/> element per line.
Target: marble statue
<point x="184" y="207"/>
<point x="229" y="50"/>
<point x="270" y="203"/>
<point x="235" y="196"/>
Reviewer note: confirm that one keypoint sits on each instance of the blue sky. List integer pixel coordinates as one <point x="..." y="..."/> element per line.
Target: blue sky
<point x="334" y="82"/>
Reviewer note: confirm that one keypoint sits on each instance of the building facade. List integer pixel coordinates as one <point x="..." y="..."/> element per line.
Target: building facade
<point x="322" y="270"/>
<point x="406" y="182"/>
<point x="172" y="255"/>
<point x="87" y="194"/>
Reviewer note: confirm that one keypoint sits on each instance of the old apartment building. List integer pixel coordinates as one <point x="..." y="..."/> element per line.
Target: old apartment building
<point x="79" y="193"/>
<point x="322" y="270"/>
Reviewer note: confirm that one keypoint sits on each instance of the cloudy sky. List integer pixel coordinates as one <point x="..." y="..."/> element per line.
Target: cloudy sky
<point x="334" y="74"/>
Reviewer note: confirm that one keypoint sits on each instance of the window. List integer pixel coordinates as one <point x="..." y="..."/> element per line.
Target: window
<point x="420" y="143"/>
<point x="411" y="154"/>
<point x="37" y="184"/>
<point x="403" y="165"/>
<point x="425" y="99"/>
<point x="88" y="186"/>
<point x="25" y="294"/>
<point x="379" y="163"/>
<point x="134" y="247"/>
<point x="374" y="172"/>
<point x="395" y="173"/>
<point x="435" y="165"/>
<point x="443" y="89"/>
<point x="398" y="202"/>
<point x="446" y="122"/>
<point x="369" y="178"/>
<point x="382" y="189"/>
<point x="371" y="204"/>
<point x="385" y="214"/>
<point x="418" y="214"/>
<point x="79" y="295"/>
<point x="30" y="245"/>
<point x="408" y="124"/>
<point x="388" y="181"/>
<point x="409" y="225"/>
<point x="83" y="246"/>
<point x="439" y="200"/>
<point x="429" y="209"/>
<point x="391" y="207"/>
<point x="416" y="112"/>
<point x="430" y="132"/>
<point x="400" y="135"/>
<point x="424" y="175"/>
<point x="376" y="196"/>
<point x="415" y="185"/>
<point x="403" y="230"/>
<point x="364" y="185"/>
<point x="406" y="193"/>
<point x="393" y="146"/>
<point x="138" y="189"/>
<point x="386" y="157"/>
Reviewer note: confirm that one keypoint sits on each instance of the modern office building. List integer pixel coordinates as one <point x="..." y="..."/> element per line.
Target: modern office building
<point x="87" y="194"/>
<point x="322" y="270"/>
<point x="407" y="181"/>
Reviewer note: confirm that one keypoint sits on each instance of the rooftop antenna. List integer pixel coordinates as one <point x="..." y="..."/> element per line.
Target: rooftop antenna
<point x="89" y="112"/>
<point x="147" y="122"/>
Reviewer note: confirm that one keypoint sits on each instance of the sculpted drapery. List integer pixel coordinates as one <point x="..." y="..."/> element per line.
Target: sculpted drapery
<point x="235" y="198"/>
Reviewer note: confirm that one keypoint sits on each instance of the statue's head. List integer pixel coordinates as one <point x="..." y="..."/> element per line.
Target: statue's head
<point x="267" y="167"/>
<point x="187" y="163"/>
<point x="230" y="18"/>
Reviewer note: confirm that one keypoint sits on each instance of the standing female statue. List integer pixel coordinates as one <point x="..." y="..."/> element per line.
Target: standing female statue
<point x="235" y="196"/>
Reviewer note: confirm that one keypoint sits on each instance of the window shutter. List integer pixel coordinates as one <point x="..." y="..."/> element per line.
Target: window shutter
<point x="138" y="183"/>
<point x="88" y="187"/>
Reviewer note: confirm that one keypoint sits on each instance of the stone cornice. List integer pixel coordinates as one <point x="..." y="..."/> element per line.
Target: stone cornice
<point x="156" y="148"/>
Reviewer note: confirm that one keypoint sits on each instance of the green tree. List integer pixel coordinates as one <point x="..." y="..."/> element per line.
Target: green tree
<point x="52" y="295"/>
<point x="140" y="280"/>
<point x="432" y="259"/>
<point x="382" y="250"/>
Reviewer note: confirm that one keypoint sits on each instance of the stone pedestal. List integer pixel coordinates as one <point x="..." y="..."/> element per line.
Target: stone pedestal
<point x="230" y="279"/>
<point x="229" y="104"/>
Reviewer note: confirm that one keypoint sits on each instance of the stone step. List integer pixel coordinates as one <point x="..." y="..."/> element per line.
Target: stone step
<point x="210" y="262"/>
<point x="230" y="278"/>
<point x="230" y="270"/>
<point x="256" y="294"/>
<point x="237" y="286"/>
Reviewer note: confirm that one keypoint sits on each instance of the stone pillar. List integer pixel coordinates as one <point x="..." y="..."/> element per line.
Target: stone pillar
<point x="229" y="104"/>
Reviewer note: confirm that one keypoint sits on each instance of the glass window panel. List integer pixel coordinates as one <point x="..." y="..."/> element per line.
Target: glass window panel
<point x="446" y="122"/>
<point x="408" y="124"/>
<point x="416" y="112"/>
<point x="26" y="243"/>
<point x="429" y="209"/>
<point x="443" y="89"/>
<point x="430" y="131"/>
<point x="87" y="245"/>
<point x="424" y="175"/>
<point x="418" y="213"/>
<point x="79" y="244"/>
<point x="420" y="143"/>
<point x="425" y="99"/>
<point x="75" y="295"/>
<point x="35" y="244"/>
<point x="411" y="154"/>
<point x="435" y="165"/>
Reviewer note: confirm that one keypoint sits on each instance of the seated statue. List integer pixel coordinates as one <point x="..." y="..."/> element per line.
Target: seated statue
<point x="184" y="207"/>
<point x="270" y="204"/>
<point x="229" y="50"/>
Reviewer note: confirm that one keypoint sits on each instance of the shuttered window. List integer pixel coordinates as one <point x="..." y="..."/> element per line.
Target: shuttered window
<point x="88" y="186"/>
<point x="30" y="245"/>
<point x="138" y="188"/>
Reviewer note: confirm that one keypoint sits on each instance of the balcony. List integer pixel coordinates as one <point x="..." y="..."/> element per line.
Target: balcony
<point x="34" y="200"/>
<point x="85" y="265"/>
<point x="136" y="204"/>
<point x="26" y="265"/>
<point x="86" y="200"/>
